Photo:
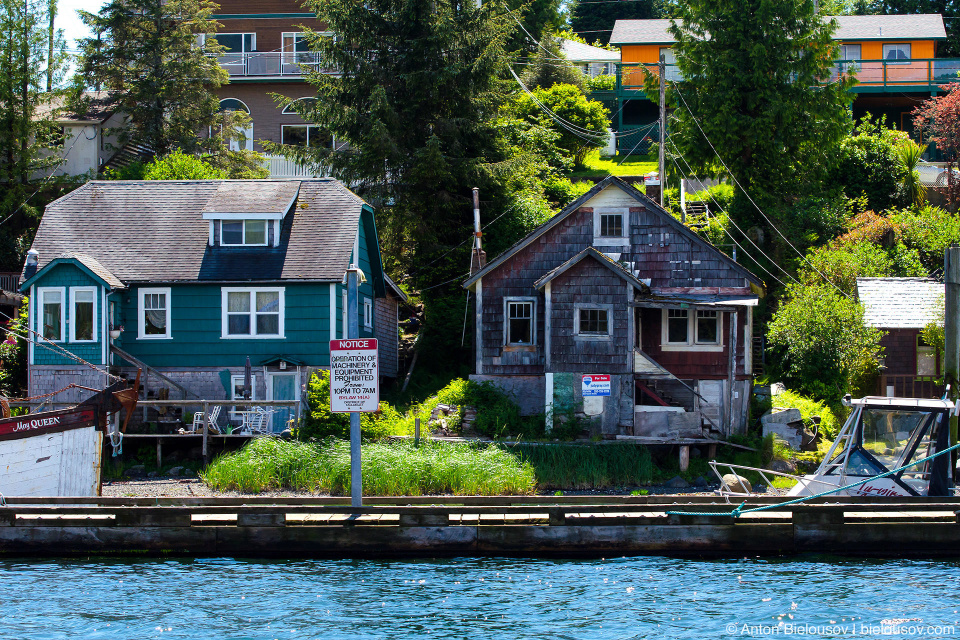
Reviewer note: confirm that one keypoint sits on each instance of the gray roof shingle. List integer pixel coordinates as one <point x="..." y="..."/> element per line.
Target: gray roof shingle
<point x="891" y="27"/>
<point x="899" y="303"/>
<point x="154" y="231"/>
<point x="579" y="52"/>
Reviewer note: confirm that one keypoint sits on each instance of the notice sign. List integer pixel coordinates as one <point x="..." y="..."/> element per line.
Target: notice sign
<point x="596" y="385"/>
<point x="354" y="376"/>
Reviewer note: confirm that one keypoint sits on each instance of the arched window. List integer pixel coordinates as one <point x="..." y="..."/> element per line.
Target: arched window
<point x="291" y="108"/>
<point x="245" y="141"/>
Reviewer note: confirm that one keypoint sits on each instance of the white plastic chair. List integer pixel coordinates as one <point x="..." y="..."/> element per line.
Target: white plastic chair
<point x="199" y="420"/>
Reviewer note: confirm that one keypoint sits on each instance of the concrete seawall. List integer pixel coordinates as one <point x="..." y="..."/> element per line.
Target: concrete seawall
<point x="468" y="526"/>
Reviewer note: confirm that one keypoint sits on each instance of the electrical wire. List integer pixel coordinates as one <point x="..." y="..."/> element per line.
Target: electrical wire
<point x="737" y="182"/>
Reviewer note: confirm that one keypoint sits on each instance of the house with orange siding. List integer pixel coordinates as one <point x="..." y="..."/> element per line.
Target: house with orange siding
<point x="893" y="57"/>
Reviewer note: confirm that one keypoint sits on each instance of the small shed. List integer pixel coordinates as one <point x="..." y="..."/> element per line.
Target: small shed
<point x="902" y="307"/>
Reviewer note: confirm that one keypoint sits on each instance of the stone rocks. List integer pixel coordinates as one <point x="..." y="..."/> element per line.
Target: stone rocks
<point x="783" y="466"/>
<point x="153" y="474"/>
<point x="700" y="482"/>
<point x="676" y="482"/>
<point x="737" y="484"/>
<point x="175" y="471"/>
<point x="136" y="471"/>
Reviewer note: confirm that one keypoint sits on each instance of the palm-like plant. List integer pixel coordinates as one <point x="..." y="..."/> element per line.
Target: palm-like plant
<point x="908" y="153"/>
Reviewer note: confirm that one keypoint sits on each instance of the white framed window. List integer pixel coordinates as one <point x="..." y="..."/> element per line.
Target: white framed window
<point x="896" y="51"/>
<point x="695" y="329"/>
<point x="519" y="326"/>
<point x="850" y="55"/>
<point x="367" y="313"/>
<point x="235" y="45"/>
<point x="610" y="227"/>
<point x="926" y="358"/>
<point x="593" y="321"/>
<point x="296" y="50"/>
<point x="305" y="135"/>
<point x="153" y="313"/>
<point x="242" y="140"/>
<point x="708" y="327"/>
<point x="236" y="393"/>
<point x="83" y="314"/>
<point x="291" y="108"/>
<point x="51" y="303"/>
<point x="236" y="233"/>
<point x="252" y="312"/>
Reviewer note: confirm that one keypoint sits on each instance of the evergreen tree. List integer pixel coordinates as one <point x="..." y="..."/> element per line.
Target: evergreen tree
<point x="594" y="20"/>
<point x="752" y="85"/>
<point x="146" y="54"/>
<point x="548" y="67"/>
<point x="27" y="129"/>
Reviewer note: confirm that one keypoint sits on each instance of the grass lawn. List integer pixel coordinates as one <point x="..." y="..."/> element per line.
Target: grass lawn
<point x="598" y="167"/>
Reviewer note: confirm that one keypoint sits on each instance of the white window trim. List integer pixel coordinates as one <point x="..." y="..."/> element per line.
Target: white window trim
<point x="506" y="321"/>
<point x="906" y="45"/>
<point x="73" y="309"/>
<point x="141" y="316"/>
<point x="307" y="126"/>
<point x="578" y="307"/>
<point x="41" y="291"/>
<point x="611" y="241"/>
<point x="224" y="291"/>
<point x="691" y="344"/>
<point x="288" y="109"/>
<point x="235" y="381"/>
<point x="367" y="313"/>
<point x="253" y="40"/>
<point x="266" y="234"/>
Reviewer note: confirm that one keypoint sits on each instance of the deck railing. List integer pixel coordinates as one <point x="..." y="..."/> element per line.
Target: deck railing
<point x="874" y="75"/>
<point x="272" y="63"/>
<point x="9" y="281"/>
<point x="282" y="167"/>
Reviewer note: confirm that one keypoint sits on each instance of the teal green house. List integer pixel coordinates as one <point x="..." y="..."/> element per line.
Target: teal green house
<point x="186" y="280"/>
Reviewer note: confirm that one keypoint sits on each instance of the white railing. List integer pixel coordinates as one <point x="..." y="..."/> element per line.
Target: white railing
<point x="282" y="167"/>
<point x="272" y="63"/>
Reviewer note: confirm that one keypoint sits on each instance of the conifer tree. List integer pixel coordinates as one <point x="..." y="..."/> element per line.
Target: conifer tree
<point x="27" y="129"/>
<point x="161" y="70"/>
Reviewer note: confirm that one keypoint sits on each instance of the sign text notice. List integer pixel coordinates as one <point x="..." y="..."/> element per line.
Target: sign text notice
<point x="354" y="376"/>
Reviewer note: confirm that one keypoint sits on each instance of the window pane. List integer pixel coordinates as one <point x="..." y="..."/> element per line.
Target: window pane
<point x="318" y="139"/>
<point x="238" y="324"/>
<point x="593" y="321"/>
<point x="611" y="225"/>
<point x="295" y="135"/>
<point x="520" y="331"/>
<point x="51" y="315"/>
<point x="268" y="324"/>
<point x="268" y="301"/>
<point x="83" y="316"/>
<point x="707" y="327"/>
<point x="256" y="231"/>
<point x="238" y="301"/>
<point x="231" y="232"/>
<point x="677" y="325"/>
<point x="232" y="42"/>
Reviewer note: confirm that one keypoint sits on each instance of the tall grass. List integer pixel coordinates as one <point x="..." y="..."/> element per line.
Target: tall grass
<point x="569" y="466"/>
<point x="389" y="468"/>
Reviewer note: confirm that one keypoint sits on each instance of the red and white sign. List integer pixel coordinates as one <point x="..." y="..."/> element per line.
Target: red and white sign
<point x="595" y="384"/>
<point x="354" y="376"/>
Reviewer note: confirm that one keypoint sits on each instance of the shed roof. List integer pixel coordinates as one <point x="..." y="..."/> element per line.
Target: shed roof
<point x="605" y="260"/>
<point x="579" y="52"/>
<point x="886" y="27"/>
<point x="154" y="231"/>
<point x="252" y="197"/>
<point x="899" y="303"/>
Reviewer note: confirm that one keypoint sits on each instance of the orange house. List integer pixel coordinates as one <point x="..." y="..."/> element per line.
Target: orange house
<point x="891" y="55"/>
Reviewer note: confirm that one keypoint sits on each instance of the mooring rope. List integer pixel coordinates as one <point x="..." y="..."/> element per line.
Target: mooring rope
<point x="736" y="513"/>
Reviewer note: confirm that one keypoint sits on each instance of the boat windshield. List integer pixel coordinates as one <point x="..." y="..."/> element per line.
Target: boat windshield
<point x="886" y="432"/>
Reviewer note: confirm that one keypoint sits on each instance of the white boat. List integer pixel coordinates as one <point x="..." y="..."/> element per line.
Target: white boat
<point x="881" y="435"/>
<point x="58" y="453"/>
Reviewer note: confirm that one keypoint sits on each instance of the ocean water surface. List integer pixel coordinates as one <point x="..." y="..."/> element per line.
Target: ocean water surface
<point x="616" y="598"/>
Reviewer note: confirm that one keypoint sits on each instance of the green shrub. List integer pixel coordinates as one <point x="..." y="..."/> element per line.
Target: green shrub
<point x="603" y="82"/>
<point x="830" y="419"/>
<point x="388" y="468"/>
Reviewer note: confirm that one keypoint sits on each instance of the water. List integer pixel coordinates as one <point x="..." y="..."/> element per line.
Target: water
<point x="645" y="597"/>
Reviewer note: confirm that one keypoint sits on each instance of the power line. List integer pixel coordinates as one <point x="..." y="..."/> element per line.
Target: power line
<point x="737" y="183"/>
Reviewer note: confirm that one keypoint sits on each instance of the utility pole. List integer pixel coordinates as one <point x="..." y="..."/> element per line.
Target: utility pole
<point x="951" y="334"/>
<point x="663" y="127"/>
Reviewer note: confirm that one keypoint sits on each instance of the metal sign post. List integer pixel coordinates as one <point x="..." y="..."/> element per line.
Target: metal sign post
<point x="354" y="380"/>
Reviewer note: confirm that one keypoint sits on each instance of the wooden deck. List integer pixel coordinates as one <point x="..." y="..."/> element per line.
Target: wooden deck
<point x="474" y="526"/>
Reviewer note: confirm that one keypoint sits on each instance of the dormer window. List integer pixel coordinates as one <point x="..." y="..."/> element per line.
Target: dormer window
<point x="243" y="233"/>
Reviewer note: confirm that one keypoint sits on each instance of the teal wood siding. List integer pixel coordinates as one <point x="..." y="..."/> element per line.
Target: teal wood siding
<point x="366" y="289"/>
<point x="195" y="329"/>
<point x="68" y="275"/>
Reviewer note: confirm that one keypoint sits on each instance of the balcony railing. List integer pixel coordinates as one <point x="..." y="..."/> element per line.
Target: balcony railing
<point x="874" y="75"/>
<point x="282" y="167"/>
<point x="9" y="281"/>
<point x="272" y="63"/>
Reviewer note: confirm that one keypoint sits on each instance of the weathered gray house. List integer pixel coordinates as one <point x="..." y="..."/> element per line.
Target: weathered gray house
<point x="615" y="286"/>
